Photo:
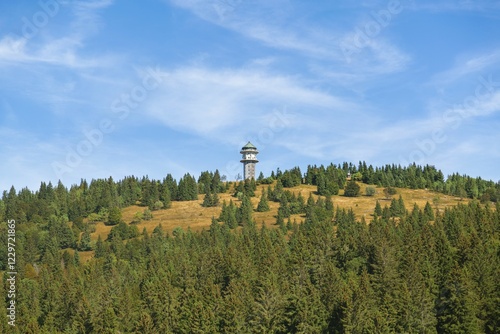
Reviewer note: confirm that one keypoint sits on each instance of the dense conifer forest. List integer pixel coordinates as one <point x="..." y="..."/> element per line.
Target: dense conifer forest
<point x="418" y="270"/>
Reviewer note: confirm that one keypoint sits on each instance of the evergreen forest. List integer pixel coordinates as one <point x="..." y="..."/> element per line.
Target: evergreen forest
<point x="406" y="269"/>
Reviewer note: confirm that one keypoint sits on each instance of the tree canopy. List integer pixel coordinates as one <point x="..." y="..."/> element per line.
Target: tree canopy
<point x="411" y="270"/>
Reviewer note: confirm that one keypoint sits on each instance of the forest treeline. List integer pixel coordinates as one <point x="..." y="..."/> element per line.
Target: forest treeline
<point x="99" y="195"/>
<point x="402" y="273"/>
<point x="408" y="271"/>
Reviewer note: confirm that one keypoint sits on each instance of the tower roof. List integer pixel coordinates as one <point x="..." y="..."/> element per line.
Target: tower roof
<point x="249" y="145"/>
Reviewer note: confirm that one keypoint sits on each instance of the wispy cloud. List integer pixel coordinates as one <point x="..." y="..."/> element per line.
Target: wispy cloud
<point x="61" y="52"/>
<point x="62" y="68"/>
<point x="273" y="72"/>
<point x="467" y="65"/>
<point x="64" y="50"/>
<point x="445" y="119"/>
<point x="222" y="102"/>
<point x="264" y="22"/>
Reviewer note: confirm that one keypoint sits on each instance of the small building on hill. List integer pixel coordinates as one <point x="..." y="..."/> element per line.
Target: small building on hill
<point x="249" y="159"/>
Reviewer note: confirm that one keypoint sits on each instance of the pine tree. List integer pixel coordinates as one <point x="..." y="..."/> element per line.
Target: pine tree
<point x="207" y="200"/>
<point x="171" y="184"/>
<point x="84" y="244"/>
<point x="215" y="199"/>
<point x="263" y="205"/>
<point x="100" y="249"/>
<point x="76" y="259"/>
<point x="386" y="283"/>
<point x="301" y="203"/>
<point x="402" y="207"/>
<point x="455" y="305"/>
<point x="228" y="214"/>
<point x="428" y="212"/>
<point x="115" y="216"/>
<point x="188" y="189"/>
<point x="260" y="178"/>
<point x="245" y="211"/>
<point x="395" y="209"/>
<point x="216" y="184"/>
<point x="249" y="187"/>
<point x="359" y="311"/>
<point x="268" y="314"/>
<point x="280" y="220"/>
<point x="223" y="217"/>
<point x="321" y="184"/>
<point x="378" y="209"/>
<point x="232" y="220"/>
<point x="165" y="196"/>
<point x="278" y="191"/>
<point x="284" y="207"/>
<point x="386" y="213"/>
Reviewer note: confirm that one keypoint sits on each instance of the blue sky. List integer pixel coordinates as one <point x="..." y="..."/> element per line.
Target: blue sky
<point x="92" y="89"/>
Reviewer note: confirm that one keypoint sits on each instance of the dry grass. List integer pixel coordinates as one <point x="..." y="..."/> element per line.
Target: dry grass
<point x="191" y="214"/>
<point x="85" y="256"/>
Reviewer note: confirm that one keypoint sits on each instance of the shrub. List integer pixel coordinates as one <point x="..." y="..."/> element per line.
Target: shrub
<point x="137" y="218"/>
<point x="147" y="215"/>
<point x="357" y="176"/>
<point x="389" y="191"/>
<point x="352" y="189"/>
<point x="94" y="218"/>
<point x="370" y="191"/>
<point x="158" y="205"/>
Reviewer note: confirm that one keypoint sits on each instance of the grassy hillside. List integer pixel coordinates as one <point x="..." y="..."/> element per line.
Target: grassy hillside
<point x="191" y="214"/>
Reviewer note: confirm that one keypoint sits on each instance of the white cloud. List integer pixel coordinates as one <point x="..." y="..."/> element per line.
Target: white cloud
<point x="270" y="24"/>
<point x="58" y="70"/>
<point x="211" y="102"/>
<point x="232" y="106"/>
<point x="466" y="66"/>
<point x="59" y="67"/>
<point x="61" y="52"/>
<point x="447" y="120"/>
<point x="64" y="50"/>
<point x="12" y="49"/>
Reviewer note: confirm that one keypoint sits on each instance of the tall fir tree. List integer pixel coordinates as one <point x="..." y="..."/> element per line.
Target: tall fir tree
<point x="263" y="205"/>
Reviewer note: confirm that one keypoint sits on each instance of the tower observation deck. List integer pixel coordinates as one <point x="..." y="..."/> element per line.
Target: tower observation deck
<point x="249" y="159"/>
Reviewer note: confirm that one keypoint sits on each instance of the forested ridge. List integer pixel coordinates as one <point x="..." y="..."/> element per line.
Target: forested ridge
<point x="408" y="271"/>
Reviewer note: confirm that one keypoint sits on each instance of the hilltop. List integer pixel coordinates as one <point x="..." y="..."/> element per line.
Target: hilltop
<point x="425" y="259"/>
<point x="191" y="214"/>
<point x="79" y="215"/>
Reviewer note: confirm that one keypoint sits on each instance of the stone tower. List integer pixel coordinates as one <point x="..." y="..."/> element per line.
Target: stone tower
<point x="249" y="159"/>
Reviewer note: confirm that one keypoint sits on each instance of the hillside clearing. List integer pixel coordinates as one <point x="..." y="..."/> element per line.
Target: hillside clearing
<point x="191" y="214"/>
